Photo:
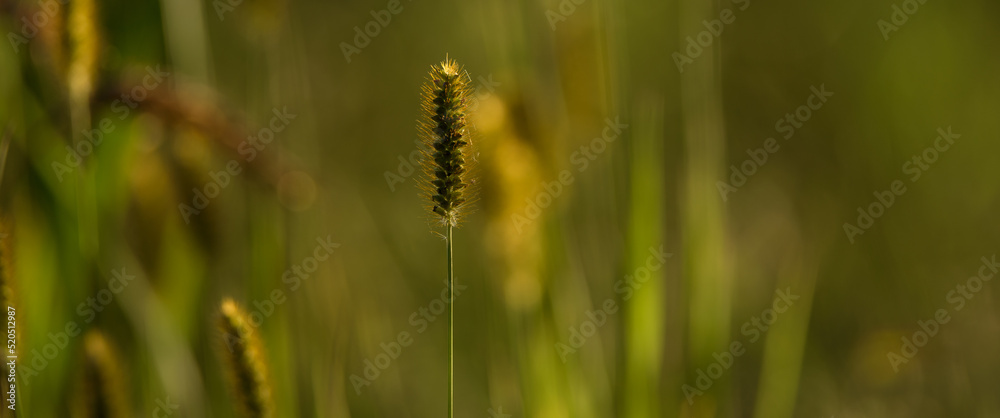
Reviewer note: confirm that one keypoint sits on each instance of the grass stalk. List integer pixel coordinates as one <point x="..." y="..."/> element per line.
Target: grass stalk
<point x="451" y="328"/>
<point x="446" y="162"/>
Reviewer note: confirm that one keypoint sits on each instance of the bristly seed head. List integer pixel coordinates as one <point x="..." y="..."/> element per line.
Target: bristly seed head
<point x="245" y="363"/>
<point x="444" y="131"/>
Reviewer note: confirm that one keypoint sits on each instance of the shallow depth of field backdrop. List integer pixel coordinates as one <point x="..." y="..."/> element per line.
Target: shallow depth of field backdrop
<point x="687" y="208"/>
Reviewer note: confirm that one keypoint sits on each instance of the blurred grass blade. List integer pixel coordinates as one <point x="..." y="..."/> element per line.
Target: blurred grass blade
<point x="785" y="345"/>
<point x="644" y="313"/>
<point x="706" y="264"/>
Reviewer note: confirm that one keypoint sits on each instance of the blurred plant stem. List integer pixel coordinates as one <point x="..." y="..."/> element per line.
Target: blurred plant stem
<point x="784" y="349"/>
<point x="187" y="39"/>
<point x="645" y="313"/>
<point x="86" y="200"/>
<point x="707" y="266"/>
<point x="80" y="79"/>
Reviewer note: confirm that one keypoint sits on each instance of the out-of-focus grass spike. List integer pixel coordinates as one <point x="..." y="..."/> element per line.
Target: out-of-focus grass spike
<point x="102" y="393"/>
<point x="245" y="363"/>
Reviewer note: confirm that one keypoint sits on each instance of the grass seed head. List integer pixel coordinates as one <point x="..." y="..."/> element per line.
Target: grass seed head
<point x="245" y="365"/>
<point x="445" y="133"/>
<point x="104" y="392"/>
<point x="85" y="41"/>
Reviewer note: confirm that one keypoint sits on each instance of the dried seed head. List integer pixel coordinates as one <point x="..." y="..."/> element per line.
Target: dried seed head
<point x="6" y="265"/>
<point x="245" y="363"/>
<point x="7" y="295"/>
<point x="447" y="154"/>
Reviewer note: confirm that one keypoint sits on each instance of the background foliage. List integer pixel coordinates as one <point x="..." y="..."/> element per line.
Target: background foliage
<point x="552" y="82"/>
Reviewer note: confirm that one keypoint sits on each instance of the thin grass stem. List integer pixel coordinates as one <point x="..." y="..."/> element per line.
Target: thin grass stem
<point x="451" y="330"/>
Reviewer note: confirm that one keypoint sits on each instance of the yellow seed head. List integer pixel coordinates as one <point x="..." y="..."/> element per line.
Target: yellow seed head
<point x="447" y="154"/>
<point x="245" y="363"/>
<point x="85" y="43"/>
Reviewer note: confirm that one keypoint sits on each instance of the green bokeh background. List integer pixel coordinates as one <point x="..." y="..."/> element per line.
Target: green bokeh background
<point x="553" y="83"/>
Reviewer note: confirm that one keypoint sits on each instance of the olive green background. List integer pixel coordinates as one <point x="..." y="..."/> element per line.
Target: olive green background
<point x="553" y="75"/>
